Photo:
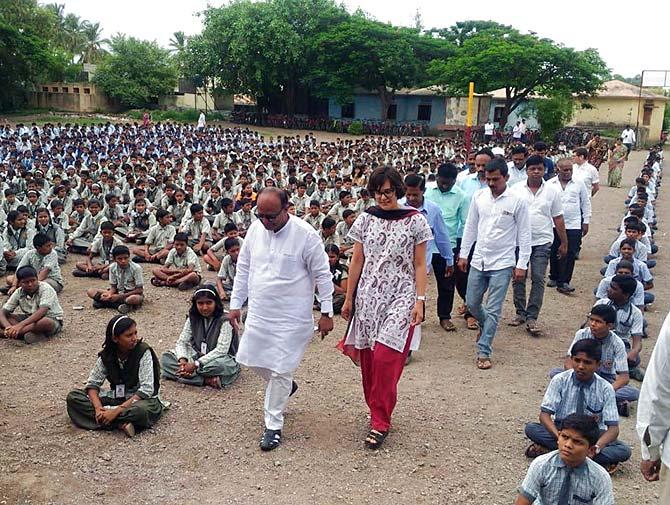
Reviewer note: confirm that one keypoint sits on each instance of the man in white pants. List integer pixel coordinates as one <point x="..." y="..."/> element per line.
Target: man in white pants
<point x="280" y="263"/>
<point x="653" y="415"/>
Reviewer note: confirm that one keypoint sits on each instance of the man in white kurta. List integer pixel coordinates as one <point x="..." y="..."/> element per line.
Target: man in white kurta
<point x="280" y="263"/>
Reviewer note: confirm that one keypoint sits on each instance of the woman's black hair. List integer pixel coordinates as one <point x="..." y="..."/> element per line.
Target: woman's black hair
<point x="332" y="248"/>
<point x="115" y="327"/>
<point x="383" y="174"/>
<point x="209" y="292"/>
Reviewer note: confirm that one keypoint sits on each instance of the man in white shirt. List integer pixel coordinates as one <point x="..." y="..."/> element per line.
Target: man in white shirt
<point x="517" y="167"/>
<point x="546" y="211"/>
<point x="281" y="261"/>
<point x="489" y="129"/>
<point x="498" y="222"/>
<point x="653" y="415"/>
<point x="576" y="216"/>
<point x="583" y="171"/>
<point x="628" y="139"/>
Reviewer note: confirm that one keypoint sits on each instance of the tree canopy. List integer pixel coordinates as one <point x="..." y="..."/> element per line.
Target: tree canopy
<point x="136" y="71"/>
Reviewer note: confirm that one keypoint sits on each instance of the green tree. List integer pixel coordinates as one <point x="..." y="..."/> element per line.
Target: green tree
<point x="92" y="50"/>
<point x="136" y="71"/>
<point x="521" y="64"/>
<point x="553" y="113"/>
<point x="461" y="31"/>
<point x="178" y="49"/>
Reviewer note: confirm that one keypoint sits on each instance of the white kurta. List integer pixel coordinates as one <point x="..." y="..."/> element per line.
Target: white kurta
<point x="277" y="273"/>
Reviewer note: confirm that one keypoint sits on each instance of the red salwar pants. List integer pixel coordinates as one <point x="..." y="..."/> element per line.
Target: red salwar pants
<point x="381" y="369"/>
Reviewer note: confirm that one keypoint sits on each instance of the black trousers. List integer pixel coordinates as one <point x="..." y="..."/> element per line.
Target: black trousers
<point x="448" y="286"/>
<point x="561" y="270"/>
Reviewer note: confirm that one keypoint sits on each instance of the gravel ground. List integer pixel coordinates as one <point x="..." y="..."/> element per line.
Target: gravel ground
<point x="457" y="435"/>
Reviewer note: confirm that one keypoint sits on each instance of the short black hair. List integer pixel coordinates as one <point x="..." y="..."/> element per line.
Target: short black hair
<point x="534" y="159"/>
<point x="605" y="312"/>
<point x="328" y="222"/>
<point x="25" y="272"/>
<point x="627" y="283"/>
<point x="486" y="152"/>
<point x="225" y="202"/>
<point x="161" y="213"/>
<point x="120" y="250"/>
<point x="314" y="203"/>
<point x="498" y="164"/>
<point x="447" y="171"/>
<point x="627" y="241"/>
<point x="585" y="425"/>
<point x="625" y="264"/>
<point x="589" y="346"/>
<point x="107" y="225"/>
<point x="40" y="239"/>
<point x="519" y="150"/>
<point x="230" y="242"/>
<point x="347" y="213"/>
<point x="386" y="173"/>
<point x="415" y="181"/>
<point x="229" y="227"/>
<point x="540" y="146"/>
<point x="180" y="237"/>
<point x="195" y="208"/>
<point x="582" y="151"/>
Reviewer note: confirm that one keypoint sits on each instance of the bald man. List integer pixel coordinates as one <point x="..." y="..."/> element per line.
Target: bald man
<point x="281" y="261"/>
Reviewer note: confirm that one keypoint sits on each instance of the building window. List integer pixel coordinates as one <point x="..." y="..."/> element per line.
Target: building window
<point x="424" y="112"/>
<point x="392" y="112"/>
<point x="348" y="111"/>
<point x="65" y="90"/>
<point x="87" y="91"/>
<point x="54" y="89"/>
<point x="648" y="111"/>
<point x="498" y="114"/>
<point x="75" y="90"/>
<point x="45" y="89"/>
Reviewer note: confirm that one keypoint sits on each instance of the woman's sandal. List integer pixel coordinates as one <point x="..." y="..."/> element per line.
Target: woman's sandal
<point x="484" y="363"/>
<point x="375" y="439"/>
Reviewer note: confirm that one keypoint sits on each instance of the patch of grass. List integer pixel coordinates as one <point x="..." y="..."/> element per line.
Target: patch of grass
<point x="179" y="116"/>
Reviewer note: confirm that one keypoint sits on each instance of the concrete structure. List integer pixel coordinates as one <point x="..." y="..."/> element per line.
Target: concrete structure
<point x="616" y="105"/>
<point x="73" y="97"/>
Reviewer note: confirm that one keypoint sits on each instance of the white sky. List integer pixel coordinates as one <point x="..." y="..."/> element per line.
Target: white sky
<point x="629" y="37"/>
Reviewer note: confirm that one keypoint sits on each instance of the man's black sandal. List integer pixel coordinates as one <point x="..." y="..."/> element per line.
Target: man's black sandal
<point x="270" y="440"/>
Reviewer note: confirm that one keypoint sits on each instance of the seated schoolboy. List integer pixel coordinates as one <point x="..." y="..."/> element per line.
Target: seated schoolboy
<point x="141" y="220"/>
<point x="133" y="371"/>
<point x="328" y="232"/>
<point x="198" y="230"/>
<point x="206" y="348"/>
<point x="182" y="266"/>
<point x="580" y="391"/>
<point x="624" y="267"/>
<point x="314" y="216"/>
<point x="568" y="475"/>
<point x="113" y="211"/>
<point x="213" y="256"/>
<point x="40" y="314"/>
<point x="44" y="224"/>
<point x="17" y="239"/>
<point x="44" y="260"/>
<point x="640" y="269"/>
<point x="99" y="256"/>
<point x="614" y="360"/>
<point x="633" y="232"/>
<point x="82" y="238"/>
<point x="59" y="217"/>
<point x="159" y="241"/>
<point x="126" y="290"/>
<point x="340" y="275"/>
<point x="226" y="275"/>
<point x="227" y="215"/>
<point x="346" y="244"/>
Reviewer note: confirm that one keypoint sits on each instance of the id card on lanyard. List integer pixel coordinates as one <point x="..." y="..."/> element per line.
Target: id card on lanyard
<point x="120" y="391"/>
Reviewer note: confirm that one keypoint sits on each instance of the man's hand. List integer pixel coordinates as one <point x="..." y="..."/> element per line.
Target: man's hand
<point x="562" y="250"/>
<point x="186" y="369"/>
<point x="519" y="274"/>
<point x="585" y="229"/>
<point x="650" y="469"/>
<point x="12" y="331"/>
<point x="633" y="355"/>
<point x="234" y="316"/>
<point x="346" y="309"/>
<point x="325" y="325"/>
<point x="99" y="415"/>
<point x="449" y="271"/>
<point x="463" y="264"/>
<point x="107" y="416"/>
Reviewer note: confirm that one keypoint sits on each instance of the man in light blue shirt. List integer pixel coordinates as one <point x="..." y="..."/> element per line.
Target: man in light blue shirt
<point x="439" y="253"/>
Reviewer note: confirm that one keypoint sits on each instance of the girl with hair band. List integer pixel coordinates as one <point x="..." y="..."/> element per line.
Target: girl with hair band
<point x="132" y="369"/>
<point x="205" y="350"/>
<point x="44" y="224"/>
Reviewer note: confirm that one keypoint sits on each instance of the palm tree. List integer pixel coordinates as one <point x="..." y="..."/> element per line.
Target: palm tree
<point x="178" y="42"/>
<point x="73" y="36"/>
<point x="92" y="50"/>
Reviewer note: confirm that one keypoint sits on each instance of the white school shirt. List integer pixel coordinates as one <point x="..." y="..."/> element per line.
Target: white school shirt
<point x="628" y="136"/>
<point x="488" y="129"/>
<point x="516" y="175"/>
<point x="498" y="226"/>
<point x="653" y="406"/>
<point x="586" y="173"/>
<point x="576" y="203"/>
<point x="277" y="274"/>
<point x="543" y="207"/>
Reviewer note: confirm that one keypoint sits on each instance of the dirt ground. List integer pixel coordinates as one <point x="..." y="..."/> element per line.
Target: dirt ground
<point x="457" y="436"/>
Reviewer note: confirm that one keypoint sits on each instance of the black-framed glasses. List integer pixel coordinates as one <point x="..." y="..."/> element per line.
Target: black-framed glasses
<point x="388" y="193"/>
<point x="268" y="217"/>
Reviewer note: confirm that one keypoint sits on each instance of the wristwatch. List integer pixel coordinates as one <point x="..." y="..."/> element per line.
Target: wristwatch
<point x="328" y="314"/>
<point x="597" y="449"/>
<point x="421" y="298"/>
<point x="196" y="363"/>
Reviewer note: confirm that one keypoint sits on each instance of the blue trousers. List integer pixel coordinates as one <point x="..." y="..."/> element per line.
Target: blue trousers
<point x="495" y="282"/>
<point x="616" y="452"/>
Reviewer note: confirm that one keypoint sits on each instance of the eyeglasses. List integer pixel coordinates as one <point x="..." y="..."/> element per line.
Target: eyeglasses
<point x="388" y="193"/>
<point x="268" y="217"/>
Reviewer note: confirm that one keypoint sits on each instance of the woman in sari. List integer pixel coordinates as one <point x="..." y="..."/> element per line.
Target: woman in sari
<point x="385" y="295"/>
<point x="616" y="160"/>
<point x="597" y="150"/>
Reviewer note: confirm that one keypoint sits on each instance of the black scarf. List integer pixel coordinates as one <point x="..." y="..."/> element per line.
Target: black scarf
<point x="391" y="215"/>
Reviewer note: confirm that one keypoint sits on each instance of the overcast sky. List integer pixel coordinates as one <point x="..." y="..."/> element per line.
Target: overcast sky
<point x="629" y="38"/>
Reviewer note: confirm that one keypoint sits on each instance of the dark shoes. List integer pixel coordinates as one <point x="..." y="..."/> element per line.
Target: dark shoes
<point x="565" y="289"/>
<point x="270" y="440"/>
<point x="551" y="283"/>
<point x="636" y="373"/>
<point x="624" y="409"/>
<point x="294" y="388"/>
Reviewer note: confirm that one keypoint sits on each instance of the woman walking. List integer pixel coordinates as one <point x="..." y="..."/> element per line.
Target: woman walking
<point x="385" y="295"/>
<point x="616" y="160"/>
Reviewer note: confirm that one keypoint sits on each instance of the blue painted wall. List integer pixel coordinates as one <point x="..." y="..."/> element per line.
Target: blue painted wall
<point x="369" y="107"/>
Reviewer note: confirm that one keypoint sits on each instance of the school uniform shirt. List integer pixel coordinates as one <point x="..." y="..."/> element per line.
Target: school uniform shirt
<point x="613" y="358"/>
<point x="454" y="207"/>
<point x="271" y="264"/>
<point x="333" y="239"/>
<point x="314" y="221"/>
<point x="77" y="217"/>
<point x="103" y="249"/>
<point x="576" y="202"/>
<point x="113" y="213"/>
<point x="126" y="279"/>
<point x="54" y="232"/>
<point x="562" y="397"/>
<point x="589" y="482"/>
<point x="342" y="229"/>
<point x="336" y="210"/>
<point x="183" y="261"/>
<point x="160" y="236"/>
<point x="586" y="173"/>
<point x="301" y="203"/>
<point x="498" y="226"/>
<point x="637" y="299"/>
<point x="221" y="244"/>
<point x="145" y="383"/>
<point x="363" y="205"/>
<point x="29" y="304"/>
<point x="640" y="270"/>
<point x="39" y="262"/>
<point x="244" y="219"/>
<point x="222" y="219"/>
<point x="629" y="319"/>
<point x="653" y="406"/>
<point x="339" y="273"/>
<point x="543" y="206"/>
<point x="89" y="226"/>
<point x="196" y="228"/>
<point x="141" y="222"/>
<point x="20" y="240"/>
<point x="640" y="253"/>
<point x="227" y="270"/>
<point x="184" y="346"/>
